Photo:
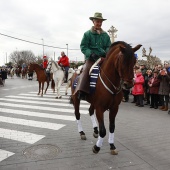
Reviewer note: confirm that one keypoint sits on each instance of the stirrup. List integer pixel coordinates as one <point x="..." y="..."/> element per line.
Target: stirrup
<point x="81" y="95"/>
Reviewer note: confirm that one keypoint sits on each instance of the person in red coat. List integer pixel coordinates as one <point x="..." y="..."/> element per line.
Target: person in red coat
<point x="154" y="84"/>
<point x="138" y="89"/>
<point x="45" y="62"/>
<point x="64" y="62"/>
<point x="44" y="65"/>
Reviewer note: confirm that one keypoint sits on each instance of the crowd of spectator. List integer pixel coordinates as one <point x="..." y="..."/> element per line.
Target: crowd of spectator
<point x="151" y="87"/>
<point x="3" y="75"/>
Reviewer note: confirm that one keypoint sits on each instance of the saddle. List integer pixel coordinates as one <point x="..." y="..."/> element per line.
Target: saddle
<point x="93" y="79"/>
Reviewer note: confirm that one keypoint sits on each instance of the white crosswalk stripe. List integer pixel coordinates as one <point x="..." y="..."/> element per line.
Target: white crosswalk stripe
<point x="41" y="102"/>
<point x="5" y="154"/>
<point x="20" y="136"/>
<point x="31" y="106"/>
<point x="42" y="108"/>
<point x="32" y="123"/>
<point x="38" y="114"/>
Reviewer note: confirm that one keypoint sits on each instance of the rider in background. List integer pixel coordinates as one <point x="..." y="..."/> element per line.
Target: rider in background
<point x="45" y="64"/>
<point x="64" y="62"/>
<point x="23" y="66"/>
<point x="94" y="45"/>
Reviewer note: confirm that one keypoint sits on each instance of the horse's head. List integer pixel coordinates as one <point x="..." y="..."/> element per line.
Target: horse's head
<point x="53" y="66"/>
<point x="30" y="68"/>
<point x="124" y="62"/>
<point x="48" y="69"/>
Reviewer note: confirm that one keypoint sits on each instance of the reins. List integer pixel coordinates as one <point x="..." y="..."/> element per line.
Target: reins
<point x="55" y="66"/>
<point x="118" y="89"/>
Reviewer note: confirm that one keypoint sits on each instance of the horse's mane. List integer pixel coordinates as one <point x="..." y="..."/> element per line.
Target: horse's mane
<point x="128" y="52"/>
<point x="55" y="63"/>
<point x="37" y="65"/>
<point x="120" y="42"/>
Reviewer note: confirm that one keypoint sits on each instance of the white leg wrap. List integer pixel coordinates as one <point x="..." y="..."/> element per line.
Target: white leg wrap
<point x="93" y="119"/>
<point x="99" y="142"/>
<point x="79" y="126"/>
<point x="111" y="138"/>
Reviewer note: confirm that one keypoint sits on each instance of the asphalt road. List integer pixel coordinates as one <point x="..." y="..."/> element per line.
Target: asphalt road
<point x="40" y="133"/>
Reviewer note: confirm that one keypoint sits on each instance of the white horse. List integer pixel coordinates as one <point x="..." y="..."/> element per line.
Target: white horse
<point x="58" y="76"/>
<point x="12" y="71"/>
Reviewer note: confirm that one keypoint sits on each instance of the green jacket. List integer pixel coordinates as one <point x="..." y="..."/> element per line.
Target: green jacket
<point x="92" y="42"/>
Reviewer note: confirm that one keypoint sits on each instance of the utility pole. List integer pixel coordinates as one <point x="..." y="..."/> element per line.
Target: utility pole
<point x="54" y="55"/>
<point x="43" y="45"/>
<point x="67" y="49"/>
<point x="6" y="57"/>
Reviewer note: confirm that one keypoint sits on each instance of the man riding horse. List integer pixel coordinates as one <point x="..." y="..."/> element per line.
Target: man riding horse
<point x="95" y="44"/>
<point x="45" y="63"/>
<point x="64" y="62"/>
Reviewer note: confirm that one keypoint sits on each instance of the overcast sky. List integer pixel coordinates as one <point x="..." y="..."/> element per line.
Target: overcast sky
<point x="58" y="23"/>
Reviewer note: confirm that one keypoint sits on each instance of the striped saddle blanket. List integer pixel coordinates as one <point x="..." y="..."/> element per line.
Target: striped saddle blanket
<point x="93" y="79"/>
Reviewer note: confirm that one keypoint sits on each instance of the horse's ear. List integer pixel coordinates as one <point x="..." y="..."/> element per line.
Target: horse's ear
<point x="122" y="49"/>
<point x="137" y="47"/>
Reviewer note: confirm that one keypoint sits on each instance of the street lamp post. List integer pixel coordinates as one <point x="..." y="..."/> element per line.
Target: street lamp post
<point x="6" y="58"/>
<point x="43" y="45"/>
<point x="112" y="32"/>
<point x="67" y="49"/>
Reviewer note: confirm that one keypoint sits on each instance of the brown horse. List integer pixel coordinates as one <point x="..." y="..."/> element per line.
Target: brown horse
<point x="41" y="76"/>
<point x="24" y="72"/>
<point x="115" y="71"/>
<point x="18" y="71"/>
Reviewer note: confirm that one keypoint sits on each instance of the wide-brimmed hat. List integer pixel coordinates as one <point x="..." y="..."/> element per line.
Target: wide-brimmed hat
<point x="97" y="15"/>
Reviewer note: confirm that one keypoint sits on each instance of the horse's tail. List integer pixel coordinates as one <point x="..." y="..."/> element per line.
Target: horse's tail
<point x="52" y="84"/>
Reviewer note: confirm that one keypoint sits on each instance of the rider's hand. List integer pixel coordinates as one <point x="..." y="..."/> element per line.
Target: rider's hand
<point x="94" y="57"/>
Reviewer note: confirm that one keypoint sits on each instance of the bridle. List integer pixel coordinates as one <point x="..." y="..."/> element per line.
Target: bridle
<point x="51" y="66"/>
<point x="117" y="89"/>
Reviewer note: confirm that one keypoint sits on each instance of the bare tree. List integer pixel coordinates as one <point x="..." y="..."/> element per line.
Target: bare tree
<point x="19" y="57"/>
<point x="151" y="60"/>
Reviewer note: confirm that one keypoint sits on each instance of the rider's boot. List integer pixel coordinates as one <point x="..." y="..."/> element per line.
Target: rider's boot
<point x="66" y="77"/>
<point x="82" y="95"/>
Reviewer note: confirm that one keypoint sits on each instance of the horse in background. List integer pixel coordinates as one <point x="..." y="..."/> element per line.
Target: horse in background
<point x="18" y="71"/>
<point x="116" y="71"/>
<point x="24" y="73"/>
<point x="58" y="77"/>
<point x="12" y="72"/>
<point x="72" y="72"/>
<point x="41" y="77"/>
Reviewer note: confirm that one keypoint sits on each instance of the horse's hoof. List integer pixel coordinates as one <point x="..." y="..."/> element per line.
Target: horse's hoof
<point x="83" y="137"/>
<point x="56" y="97"/>
<point x="114" y="152"/>
<point x="95" y="135"/>
<point x="66" y="94"/>
<point x="60" y="97"/>
<point x="95" y="149"/>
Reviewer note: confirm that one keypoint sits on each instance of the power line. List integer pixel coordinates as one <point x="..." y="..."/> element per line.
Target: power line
<point x="34" y="42"/>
